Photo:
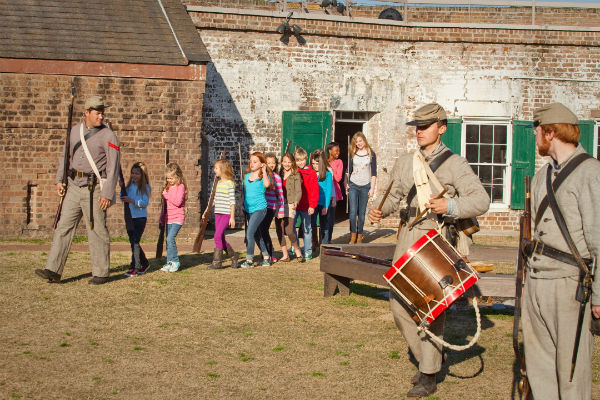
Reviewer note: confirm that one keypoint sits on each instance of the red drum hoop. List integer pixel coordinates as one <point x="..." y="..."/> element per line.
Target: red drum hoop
<point x="430" y="276"/>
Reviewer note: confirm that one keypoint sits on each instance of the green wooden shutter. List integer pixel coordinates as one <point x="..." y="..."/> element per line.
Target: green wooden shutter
<point x="306" y="129"/>
<point x="523" y="162"/>
<point x="587" y="136"/>
<point x="451" y="137"/>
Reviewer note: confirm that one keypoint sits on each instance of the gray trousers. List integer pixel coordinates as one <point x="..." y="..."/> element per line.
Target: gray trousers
<point x="75" y="205"/>
<point x="427" y="352"/>
<point x="550" y="314"/>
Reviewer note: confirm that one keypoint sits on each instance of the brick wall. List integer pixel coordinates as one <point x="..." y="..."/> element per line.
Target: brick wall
<point x="148" y="116"/>
<point x="389" y="70"/>
<point x="447" y="14"/>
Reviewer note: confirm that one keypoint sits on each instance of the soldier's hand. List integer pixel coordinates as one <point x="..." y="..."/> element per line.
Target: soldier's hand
<point x="104" y="203"/>
<point x="375" y="215"/>
<point x="596" y="311"/>
<point x="60" y="189"/>
<point x="438" y="206"/>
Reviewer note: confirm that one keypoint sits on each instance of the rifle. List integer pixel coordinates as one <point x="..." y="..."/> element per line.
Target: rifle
<point x="525" y="238"/>
<point x="162" y="226"/>
<point x="287" y="147"/>
<point x="204" y="220"/>
<point x="359" y="257"/>
<point x="126" y="210"/>
<point x="67" y="149"/>
<point x="242" y="198"/>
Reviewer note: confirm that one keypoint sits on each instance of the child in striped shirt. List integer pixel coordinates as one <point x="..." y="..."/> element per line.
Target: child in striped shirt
<point x="224" y="213"/>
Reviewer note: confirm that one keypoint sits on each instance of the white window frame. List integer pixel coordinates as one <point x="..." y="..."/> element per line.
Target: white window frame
<point x="507" y="178"/>
<point x="595" y="146"/>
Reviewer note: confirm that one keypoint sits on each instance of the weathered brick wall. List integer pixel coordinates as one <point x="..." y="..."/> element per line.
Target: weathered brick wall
<point x="389" y="70"/>
<point x="148" y="116"/>
<point x="473" y="14"/>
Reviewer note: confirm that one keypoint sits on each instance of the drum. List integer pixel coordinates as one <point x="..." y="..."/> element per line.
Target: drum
<point x="430" y="276"/>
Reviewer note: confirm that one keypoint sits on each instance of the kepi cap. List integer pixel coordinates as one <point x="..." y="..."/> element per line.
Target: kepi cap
<point x="428" y="114"/>
<point x="555" y="113"/>
<point x="95" y="103"/>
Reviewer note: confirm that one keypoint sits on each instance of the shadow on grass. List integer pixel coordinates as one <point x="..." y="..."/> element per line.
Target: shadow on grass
<point x="375" y="292"/>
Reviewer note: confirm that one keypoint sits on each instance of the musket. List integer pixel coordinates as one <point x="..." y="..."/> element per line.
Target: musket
<point x="242" y="198"/>
<point x="356" y="256"/>
<point x="287" y="147"/>
<point x="325" y="139"/>
<point x="161" y="226"/>
<point x="204" y="218"/>
<point x="418" y="217"/>
<point x="67" y="149"/>
<point x="525" y="238"/>
<point x="126" y="210"/>
<point x="584" y="291"/>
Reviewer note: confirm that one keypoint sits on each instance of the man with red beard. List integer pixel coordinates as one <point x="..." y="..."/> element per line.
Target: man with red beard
<point x="551" y="306"/>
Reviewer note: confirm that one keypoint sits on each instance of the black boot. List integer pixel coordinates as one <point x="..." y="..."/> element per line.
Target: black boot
<point x="217" y="257"/>
<point x="234" y="257"/>
<point x="52" y="276"/>
<point x="425" y="387"/>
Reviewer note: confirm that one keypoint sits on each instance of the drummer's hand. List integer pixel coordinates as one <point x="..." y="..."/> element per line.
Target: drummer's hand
<point x="375" y="215"/>
<point x="438" y="206"/>
<point x="596" y="311"/>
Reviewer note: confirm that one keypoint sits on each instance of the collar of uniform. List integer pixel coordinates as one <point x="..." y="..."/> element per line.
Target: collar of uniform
<point x="434" y="153"/>
<point x="578" y="150"/>
<point x="94" y="129"/>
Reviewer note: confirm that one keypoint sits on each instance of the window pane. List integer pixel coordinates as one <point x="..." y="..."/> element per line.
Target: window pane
<point x="472" y="133"/>
<point x="487" y="134"/>
<point x="496" y="194"/>
<point x="498" y="174"/>
<point x="500" y="134"/>
<point x="485" y="174"/>
<point x="485" y="153"/>
<point x="472" y="151"/>
<point x="475" y="169"/>
<point x="499" y="154"/>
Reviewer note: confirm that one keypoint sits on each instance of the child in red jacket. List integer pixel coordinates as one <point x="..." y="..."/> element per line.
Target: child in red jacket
<point x="308" y="202"/>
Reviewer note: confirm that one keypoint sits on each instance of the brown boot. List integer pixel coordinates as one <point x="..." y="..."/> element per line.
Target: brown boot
<point x="217" y="259"/>
<point x="352" y="237"/>
<point x="359" y="238"/>
<point x="234" y="257"/>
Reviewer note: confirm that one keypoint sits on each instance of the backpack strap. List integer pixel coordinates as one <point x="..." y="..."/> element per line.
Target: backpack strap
<point x="560" y="178"/>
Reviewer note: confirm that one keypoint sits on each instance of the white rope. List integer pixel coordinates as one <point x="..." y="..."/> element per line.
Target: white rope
<point x="442" y="342"/>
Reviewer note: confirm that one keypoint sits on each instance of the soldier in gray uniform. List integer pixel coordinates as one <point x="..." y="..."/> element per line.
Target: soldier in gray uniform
<point x="103" y="146"/>
<point x="550" y="309"/>
<point x="465" y="198"/>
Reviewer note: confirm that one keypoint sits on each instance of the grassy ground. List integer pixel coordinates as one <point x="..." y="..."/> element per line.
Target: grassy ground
<point x="266" y="333"/>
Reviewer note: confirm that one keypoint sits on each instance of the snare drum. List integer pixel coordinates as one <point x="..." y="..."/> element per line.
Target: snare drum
<point x="430" y="276"/>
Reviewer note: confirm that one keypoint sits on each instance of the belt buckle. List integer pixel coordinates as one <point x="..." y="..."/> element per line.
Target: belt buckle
<point x="537" y="242"/>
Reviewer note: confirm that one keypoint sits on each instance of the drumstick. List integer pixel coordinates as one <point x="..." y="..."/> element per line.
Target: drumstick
<point x="385" y="195"/>
<point x="418" y="217"/>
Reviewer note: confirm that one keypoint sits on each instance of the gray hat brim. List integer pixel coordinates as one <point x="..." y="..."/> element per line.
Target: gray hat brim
<point x="423" y="122"/>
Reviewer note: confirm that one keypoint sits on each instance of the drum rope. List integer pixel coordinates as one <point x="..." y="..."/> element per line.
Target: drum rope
<point x="442" y="342"/>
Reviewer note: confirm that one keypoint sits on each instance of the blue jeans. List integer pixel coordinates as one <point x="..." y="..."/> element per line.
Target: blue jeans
<point x="323" y="223"/>
<point x="357" y="205"/>
<point x="172" y="231"/>
<point x="306" y="229"/>
<point x="328" y="233"/>
<point x="254" y="221"/>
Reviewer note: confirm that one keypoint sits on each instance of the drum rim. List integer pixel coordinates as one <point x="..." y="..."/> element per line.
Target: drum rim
<point x="410" y="253"/>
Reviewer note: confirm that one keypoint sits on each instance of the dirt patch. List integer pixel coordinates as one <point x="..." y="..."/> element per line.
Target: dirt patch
<point x="266" y="333"/>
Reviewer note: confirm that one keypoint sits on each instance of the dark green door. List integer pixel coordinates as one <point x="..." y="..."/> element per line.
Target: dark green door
<point x="523" y="162"/>
<point x="451" y="137"/>
<point x="306" y="129"/>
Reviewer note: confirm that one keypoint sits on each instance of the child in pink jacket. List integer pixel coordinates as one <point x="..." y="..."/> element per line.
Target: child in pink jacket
<point x="175" y="195"/>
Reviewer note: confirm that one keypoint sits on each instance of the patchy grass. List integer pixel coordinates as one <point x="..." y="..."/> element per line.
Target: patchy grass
<point x="265" y="333"/>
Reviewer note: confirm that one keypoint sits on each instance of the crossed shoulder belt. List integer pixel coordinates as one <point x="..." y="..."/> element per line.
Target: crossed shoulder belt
<point x="539" y="247"/>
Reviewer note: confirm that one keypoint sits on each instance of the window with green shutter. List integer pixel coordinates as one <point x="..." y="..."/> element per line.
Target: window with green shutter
<point x="451" y="137"/>
<point x="523" y="162"/>
<point x="587" y="136"/>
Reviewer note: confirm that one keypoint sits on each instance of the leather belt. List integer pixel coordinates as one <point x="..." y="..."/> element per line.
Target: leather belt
<point x="539" y="247"/>
<point x="73" y="173"/>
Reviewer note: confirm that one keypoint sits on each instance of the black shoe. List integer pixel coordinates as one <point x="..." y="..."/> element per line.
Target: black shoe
<point x="47" y="274"/>
<point x="98" y="280"/>
<point x="425" y="387"/>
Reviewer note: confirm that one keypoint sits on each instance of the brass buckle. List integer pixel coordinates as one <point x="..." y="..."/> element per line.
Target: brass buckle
<point x="537" y="242"/>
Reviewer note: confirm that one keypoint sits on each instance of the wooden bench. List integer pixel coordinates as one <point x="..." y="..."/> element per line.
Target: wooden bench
<point x="339" y="272"/>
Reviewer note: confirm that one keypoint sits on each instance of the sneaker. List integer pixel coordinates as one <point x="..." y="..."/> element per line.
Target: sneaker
<point x="174" y="266"/>
<point x="143" y="269"/>
<point x="308" y="257"/>
<point x="266" y="263"/>
<point x="273" y="260"/>
<point x="131" y="272"/>
<point x="247" y="264"/>
<point x="166" y="267"/>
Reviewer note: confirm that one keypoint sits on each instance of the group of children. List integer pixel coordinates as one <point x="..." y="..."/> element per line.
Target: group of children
<point x="301" y="188"/>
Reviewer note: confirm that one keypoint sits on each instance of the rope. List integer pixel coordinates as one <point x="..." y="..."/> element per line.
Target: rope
<point x="442" y="342"/>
